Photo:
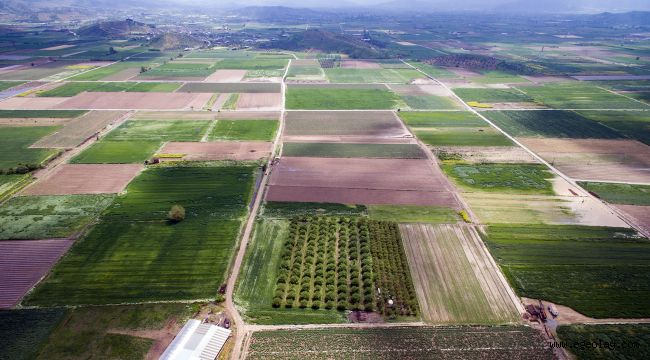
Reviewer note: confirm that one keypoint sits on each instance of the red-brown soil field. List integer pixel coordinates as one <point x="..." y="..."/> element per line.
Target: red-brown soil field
<point x="85" y="179"/>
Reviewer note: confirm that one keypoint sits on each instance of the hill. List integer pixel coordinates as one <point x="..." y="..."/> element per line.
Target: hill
<point x="119" y="28"/>
<point x="326" y="41"/>
<point x="170" y="41"/>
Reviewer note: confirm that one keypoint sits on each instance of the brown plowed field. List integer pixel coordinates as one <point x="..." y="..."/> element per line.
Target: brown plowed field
<point x="361" y="181"/>
<point x="344" y="123"/>
<point x="226" y="76"/>
<point x="595" y="159"/>
<point x="80" y="129"/>
<point x="128" y="100"/>
<point x="455" y="280"/>
<point x="638" y="215"/>
<point x="359" y="64"/>
<point x="85" y="179"/>
<point x="259" y="101"/>
<point x="220" y="150"/>
<point x="28" y="103"/>
<point x="24" y="263"/>
<point x="199" y="101"/>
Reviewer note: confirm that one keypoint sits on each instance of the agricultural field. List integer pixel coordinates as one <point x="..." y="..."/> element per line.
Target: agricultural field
<point x="342" y="150"/>
<point x="286" y="210"/>
<point x="241" y="87"/>
<point x="455" y="280"/>
<point x="24" y="332"/>
<point x="343" y="124"/>
<point x="43" y="217"/>
<point x="262" y="130"/>
<point x="607" y="341"/>
<point x="626" y="194"/>
<point x="80" y="129"/>
<point x="11" y="183"/>
<point x="339" y="262"/>
<point x="370" y="76"/>
<point x="251" y="64"/>
<point x="38" y="114"/>
<point x="180" y="71"/>
<point x="4" y="85"/>
<point x="499" y="343"/>
<point x="433" y="71"/>
<point x="485" y="95"/>
<point x="509" y="208"/>
<point x="340" y="98"/>
<point x="633" y="124"/>
<point x="423" y="102"/>
<point x="117" y="152"/>
<point x="603" y="271"/>
<point x="15" y="153"/>
<point x="117" y="260"/>
<point x="552" y="124"/>
<point x="73" y="88"/>
<point x="578" y="95"/>
<point x="413" y="214"/>
<point x="497" y="77"/>
<point x="502" y="178"/>
<point x="453" y="128"/>
<point x="162" y="130"/>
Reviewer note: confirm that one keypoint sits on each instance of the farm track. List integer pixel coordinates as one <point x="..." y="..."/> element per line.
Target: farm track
<point x="241" y="329"/>
<point x="532" y="153"/>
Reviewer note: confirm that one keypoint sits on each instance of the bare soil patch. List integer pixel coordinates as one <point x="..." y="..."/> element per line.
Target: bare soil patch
<point x="80" y="129"/>
<point x="359" y="64"/>
<point x="359" y="181"/>
<point x="24" y="263"/>
<point x="226" y="76"/>
<point x="464" y="72"/>
<point x="29" y="103"/>
<point x="130" y="100"/>
<point x="199" y="101"/>
<point x="219" y="150"/>
<point x="383" y="124"/>
<point x="59" y="47"/>
<point x="85" y="179"/>
<point x="638" y="215"/>
<point x="595" y="159"/>
<point x="259" y="101"/>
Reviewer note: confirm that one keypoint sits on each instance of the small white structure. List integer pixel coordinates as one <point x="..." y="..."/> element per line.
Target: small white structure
<point x="197" y="341"/>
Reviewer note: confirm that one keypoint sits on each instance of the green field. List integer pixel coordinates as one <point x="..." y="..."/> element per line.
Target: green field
<point x="433" y="71"/>
<point x="63" y="114"/>
<point x="453" y="128"/>
<point x="135" y="254"/>
<point x="24" y="332"/>
<point x="286" y="210"/>
<point x="430" y="102"/>
<point x="74" y="88"/>
<point x="369" y="76"/>
<point x="88" y="332"/>
<point x="43" y="217"/>
<point x="263" y="130"/>
<point x="492" y="95"/>
<point x="160" y="130"/>
<point x="601" y="272"/>
<point x="342" y="150"/>
<point x="627" y="194"/>
<point x="553" y="124"/>
<point x="252" y="64"/>
<point x="497" y="77"/>
<point x="503" y="178"/>
<point x="413" y="214"/>
<point x="607" y="341"/>
<point x="314" y="98"/>
<point x="4" y="85"/>
<point x="633" y="124"/>
<point x="178" y="70"/>
<point x="15" y="142"/>
<point x="256" y="281"/>
<point x="117" y="152"/>
<point x="457" y="342"/>
<point x="11" y="183"/>
<point x="578" y="95"/>
<point x="101" y="73"/>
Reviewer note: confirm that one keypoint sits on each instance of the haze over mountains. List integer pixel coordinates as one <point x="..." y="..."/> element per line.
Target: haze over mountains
<point x="526" y="6"/>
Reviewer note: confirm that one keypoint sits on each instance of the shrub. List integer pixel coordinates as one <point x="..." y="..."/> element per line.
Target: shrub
<point x="176" y="214"/>
<point x="276" y="302"/>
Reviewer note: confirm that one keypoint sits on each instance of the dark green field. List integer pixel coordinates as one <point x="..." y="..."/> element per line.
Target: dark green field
<point x="341" y="150"/>
<point x="502" y="178"/>
<point x="74" y="88"/>
<point x="262" y="130"/>
<point x="15" y="142"/>
<point x="633" y="124"/>
<point x="627" y="194"/>
<point x="286" y="210"/>
<point x="252" y="64"/>
<point x="606" y="341"/>
<point x="63" y="114"/>
<point x="135" y="254"/>
<point x="601" y="272"/>
<point x="578" y="95"/>
<point x="117" y="152"/>
<point x="553" y="124"/>
<point x="24" y="332"/>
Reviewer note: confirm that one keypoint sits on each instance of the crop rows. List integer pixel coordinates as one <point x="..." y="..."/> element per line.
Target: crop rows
<point x="334" y="262"/>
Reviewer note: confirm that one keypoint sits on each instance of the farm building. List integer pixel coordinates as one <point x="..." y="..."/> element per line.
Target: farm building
<point x="197" y="341"/>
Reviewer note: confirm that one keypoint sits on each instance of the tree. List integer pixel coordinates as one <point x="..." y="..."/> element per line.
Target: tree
<point x="112" y="50"/>
<point x="176" y="214"/>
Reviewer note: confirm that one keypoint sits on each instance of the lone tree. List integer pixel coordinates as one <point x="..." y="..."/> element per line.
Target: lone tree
<point x="176" y="214"/>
